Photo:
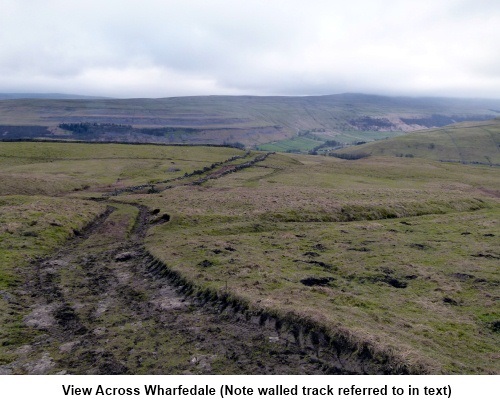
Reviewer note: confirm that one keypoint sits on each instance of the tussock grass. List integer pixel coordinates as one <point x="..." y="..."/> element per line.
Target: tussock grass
<point x="392" y="282"/>
<point x="410" y="272"/>
<point x="400" y="255"/>
<point x="33" y="226"/>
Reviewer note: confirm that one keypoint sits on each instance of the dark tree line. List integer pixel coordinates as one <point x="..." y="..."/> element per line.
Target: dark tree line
<point x="94" y="128"/>
<point x="327" y="144"/>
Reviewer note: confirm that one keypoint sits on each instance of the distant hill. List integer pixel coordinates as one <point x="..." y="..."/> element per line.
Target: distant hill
<point x="252" y="121"/>
<point x="46" y="96"/>
<point x="468" y="142"/>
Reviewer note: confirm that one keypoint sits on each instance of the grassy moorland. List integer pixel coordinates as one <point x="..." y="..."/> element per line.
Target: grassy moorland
<point x="469" y="142"/>
<point x="43" y="202"/>
<point x="398" y="257"/>
<point x="55" y="168"/>
<point x="42" y="184"/>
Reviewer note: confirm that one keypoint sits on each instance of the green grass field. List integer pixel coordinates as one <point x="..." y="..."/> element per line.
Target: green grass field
<point x="399" y="256"/>
<point x="298" y="144"/>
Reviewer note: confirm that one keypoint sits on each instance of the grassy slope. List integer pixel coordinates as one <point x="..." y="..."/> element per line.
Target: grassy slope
<point x="54" y="168"/>
<point x="430" y="226"/>
<point x="295" y="218"/>
<point x="466" y="142"/>
<point x="37" y="177"/>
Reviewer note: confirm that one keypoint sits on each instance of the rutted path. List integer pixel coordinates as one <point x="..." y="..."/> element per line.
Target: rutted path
<point x="215" y="171"/>
<point x="97" y="309"/>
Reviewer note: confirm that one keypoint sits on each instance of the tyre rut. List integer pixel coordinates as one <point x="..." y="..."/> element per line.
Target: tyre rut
<point x="100" y="308"/>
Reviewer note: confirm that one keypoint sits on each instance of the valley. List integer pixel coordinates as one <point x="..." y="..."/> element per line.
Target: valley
<point x="270" y="123"/>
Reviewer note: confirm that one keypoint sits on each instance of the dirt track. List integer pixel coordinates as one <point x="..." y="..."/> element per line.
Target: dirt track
<point x="97" y="309"/>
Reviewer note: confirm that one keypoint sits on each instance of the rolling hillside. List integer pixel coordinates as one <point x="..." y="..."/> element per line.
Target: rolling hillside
<point x="48" y="96"/>
<point x="252" y="121"/>
<point x="149" y="259"/>
<point x="470" y="142"/>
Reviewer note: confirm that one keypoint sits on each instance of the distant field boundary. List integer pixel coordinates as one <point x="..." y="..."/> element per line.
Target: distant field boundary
<point x="215" y="145"/>
<point x="470" y="163"/>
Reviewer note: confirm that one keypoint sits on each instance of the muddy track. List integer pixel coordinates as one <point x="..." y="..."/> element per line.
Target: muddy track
<point x="100" y="306"/>
<point x="208" y="173"/>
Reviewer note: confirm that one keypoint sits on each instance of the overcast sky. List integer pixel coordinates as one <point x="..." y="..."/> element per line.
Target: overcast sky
<point x="163" y="48"/>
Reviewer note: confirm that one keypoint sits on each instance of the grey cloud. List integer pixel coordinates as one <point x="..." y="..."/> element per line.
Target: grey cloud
<point x="260" y="47"/>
